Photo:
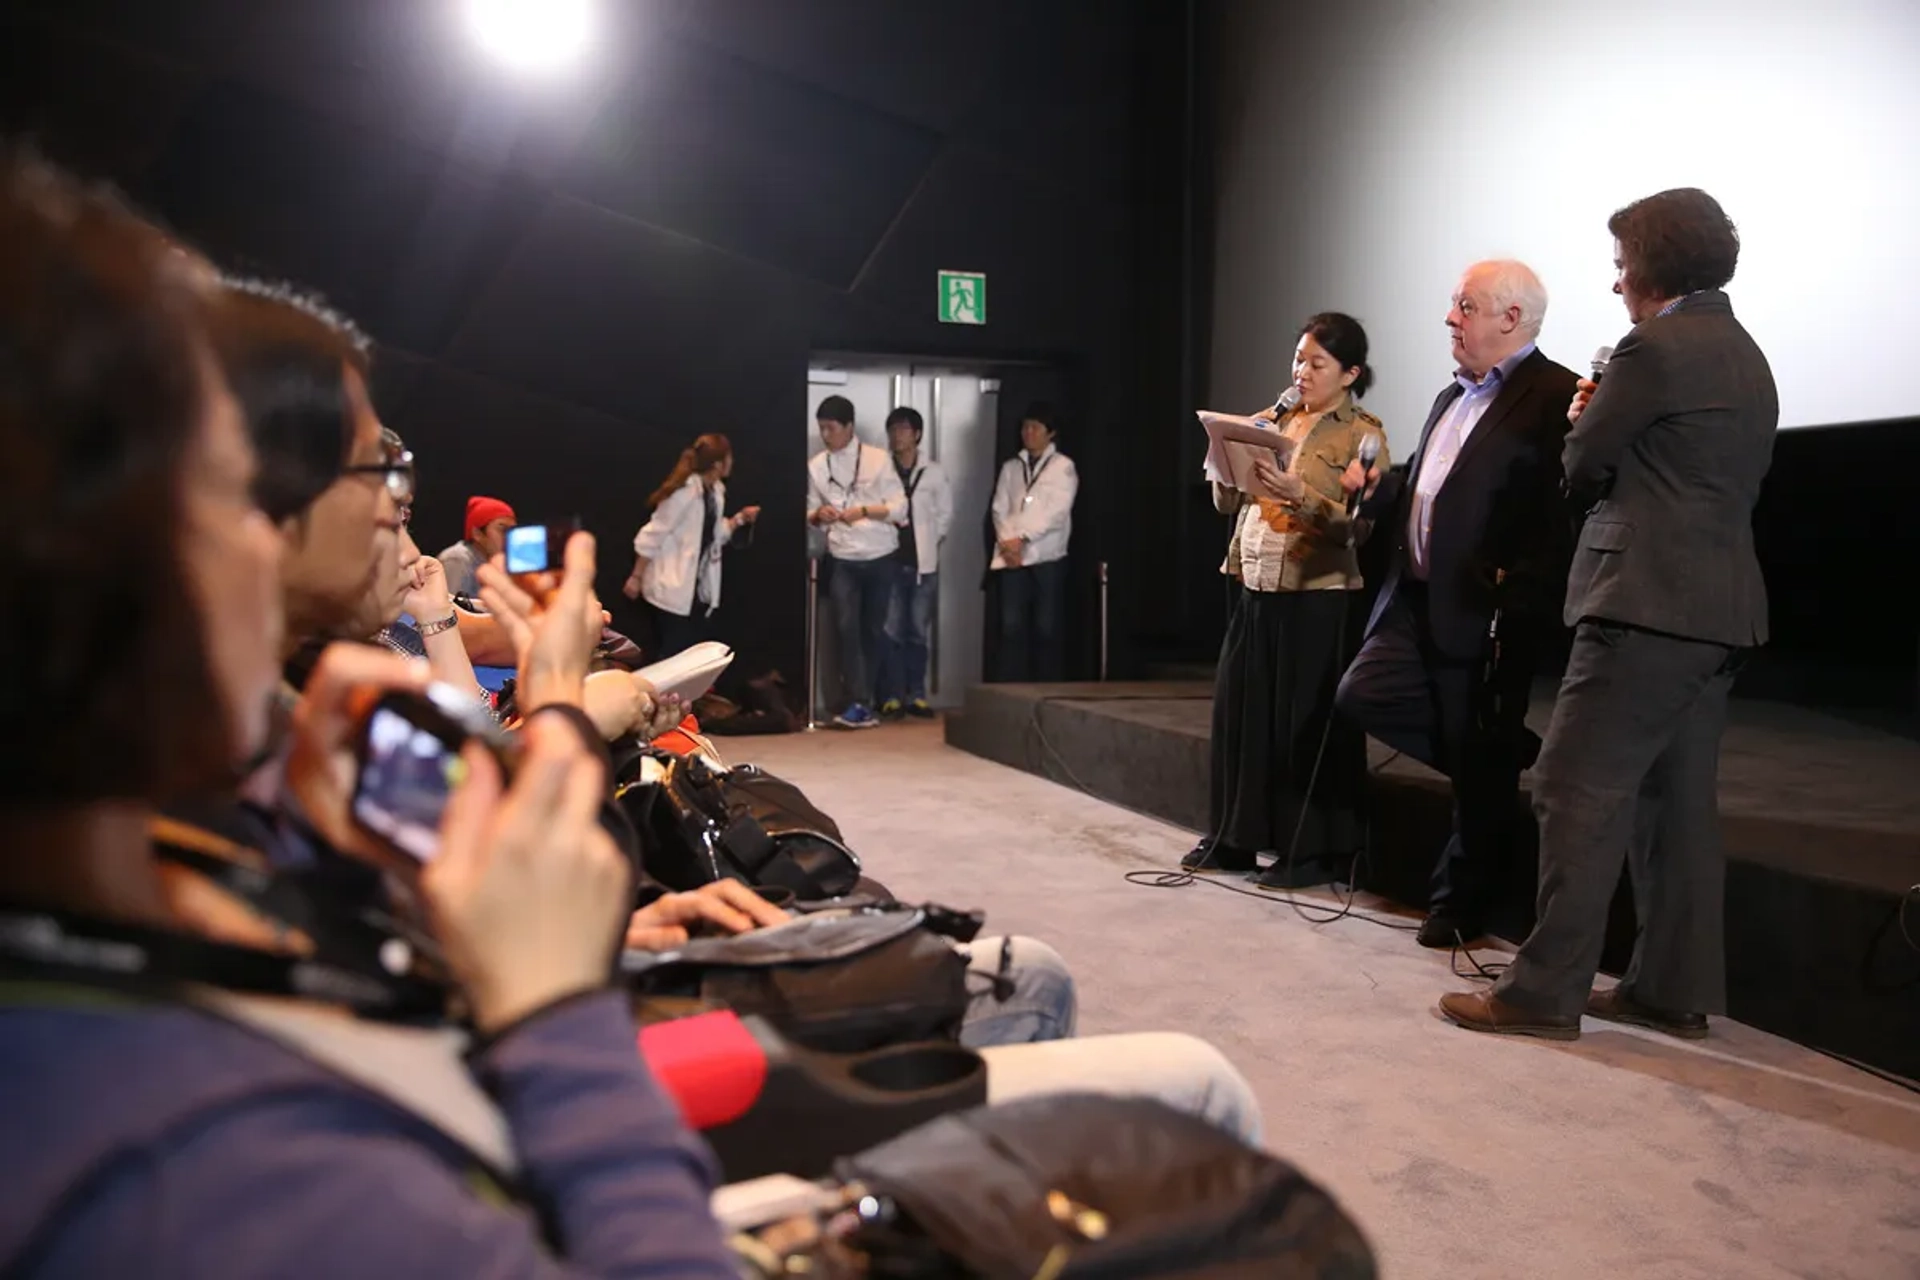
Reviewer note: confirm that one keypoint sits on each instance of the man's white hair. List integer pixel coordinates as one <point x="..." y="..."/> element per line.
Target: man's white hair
<point x="1511" y="283"/>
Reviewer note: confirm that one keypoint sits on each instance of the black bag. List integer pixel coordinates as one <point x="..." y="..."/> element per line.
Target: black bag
<point x="1088" y="1187"/>
<point x="839" y="981"/>
<point x="698" y="824"/>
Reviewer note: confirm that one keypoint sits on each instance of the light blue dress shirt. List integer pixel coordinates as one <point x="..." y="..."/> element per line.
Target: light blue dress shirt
<point x="1450" y="436"/>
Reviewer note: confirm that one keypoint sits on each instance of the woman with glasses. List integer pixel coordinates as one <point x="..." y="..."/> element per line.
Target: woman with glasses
<point x="328" y="478"/>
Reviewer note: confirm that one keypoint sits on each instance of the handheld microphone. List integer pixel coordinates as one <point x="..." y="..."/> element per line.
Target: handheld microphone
<point x="1368" y="454"/>
<point x="1600" y="359"/>
<point x="1289" y="399"/>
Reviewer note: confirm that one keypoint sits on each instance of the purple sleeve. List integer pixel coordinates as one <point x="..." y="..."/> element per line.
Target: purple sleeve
<point x="327" y="1181"/>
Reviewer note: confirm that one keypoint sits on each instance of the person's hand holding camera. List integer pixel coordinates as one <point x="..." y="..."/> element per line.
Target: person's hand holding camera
<point x="724" y="906"/>
<point x="324" y="762"/>
<point x="555" y="643"/>
<point x="528" y="894"/>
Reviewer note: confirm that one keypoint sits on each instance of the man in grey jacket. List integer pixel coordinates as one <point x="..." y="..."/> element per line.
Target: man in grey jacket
<point x="1671" y="446"/>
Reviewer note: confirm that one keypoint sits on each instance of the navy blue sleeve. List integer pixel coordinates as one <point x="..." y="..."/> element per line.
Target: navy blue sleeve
<point x="323" y="1182"/>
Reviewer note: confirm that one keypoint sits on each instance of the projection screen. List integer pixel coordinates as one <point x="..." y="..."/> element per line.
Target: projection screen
<point x="1367" y="151"/>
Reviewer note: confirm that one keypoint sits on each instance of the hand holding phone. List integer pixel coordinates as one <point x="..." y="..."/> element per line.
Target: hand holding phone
<point x="553" y="636"/>
<point x="536" y="554"/>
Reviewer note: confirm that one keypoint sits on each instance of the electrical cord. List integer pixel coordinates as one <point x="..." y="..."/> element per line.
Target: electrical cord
<point x="1897" y="918"/>
<point x="1181" y="878"/>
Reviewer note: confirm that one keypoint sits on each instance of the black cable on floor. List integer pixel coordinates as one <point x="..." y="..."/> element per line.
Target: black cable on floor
<point x="1180" y="878"/>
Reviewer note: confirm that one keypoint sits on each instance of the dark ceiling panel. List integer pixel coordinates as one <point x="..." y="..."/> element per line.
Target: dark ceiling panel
<point x="602" y="310"/>
<point x="1054" y="275"/>
<point x="191" y="31"/>
<point x="395" y="236"/>
<point x="1060" y="114"/>
<point x="103" y="110"/>
<point x="926" y="62"/>
<point x="410" y="70"/>
<point x="751" y="162"/>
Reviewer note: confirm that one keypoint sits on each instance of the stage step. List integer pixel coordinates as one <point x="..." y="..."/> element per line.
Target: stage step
<point x="1820" y="856"/>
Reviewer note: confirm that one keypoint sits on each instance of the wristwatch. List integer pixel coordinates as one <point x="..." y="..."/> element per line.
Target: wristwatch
<point x="447" y="623"/>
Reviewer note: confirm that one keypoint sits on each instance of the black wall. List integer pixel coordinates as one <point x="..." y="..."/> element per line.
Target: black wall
<point x="570" y="281"/>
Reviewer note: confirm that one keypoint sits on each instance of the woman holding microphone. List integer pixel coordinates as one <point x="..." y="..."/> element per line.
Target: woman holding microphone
<point x="677" y="552"/>
<point x="1288" y="636"/>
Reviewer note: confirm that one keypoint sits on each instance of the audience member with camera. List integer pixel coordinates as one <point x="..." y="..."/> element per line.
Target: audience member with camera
<point x="246" y="1148"/>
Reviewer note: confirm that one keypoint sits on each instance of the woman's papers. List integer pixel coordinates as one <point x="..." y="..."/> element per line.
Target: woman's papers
<point x="1234" y="443"/>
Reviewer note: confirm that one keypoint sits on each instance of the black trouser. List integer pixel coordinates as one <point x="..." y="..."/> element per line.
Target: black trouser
<point x="1631" y="770"/>
<point x="1433" y="708"/>
<point x="1273" y="754"/>
<point x="1033" y="602"/>
<point x="676" y="632"/>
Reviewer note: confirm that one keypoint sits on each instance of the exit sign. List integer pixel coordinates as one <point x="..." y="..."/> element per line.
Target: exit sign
<point x="963" y="297"/>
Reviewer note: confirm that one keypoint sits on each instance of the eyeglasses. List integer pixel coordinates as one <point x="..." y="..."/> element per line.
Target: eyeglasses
<point x="396" y="474"/>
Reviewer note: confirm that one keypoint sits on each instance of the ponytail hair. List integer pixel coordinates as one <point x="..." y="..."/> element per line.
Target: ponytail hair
<point x="704" y="454"/>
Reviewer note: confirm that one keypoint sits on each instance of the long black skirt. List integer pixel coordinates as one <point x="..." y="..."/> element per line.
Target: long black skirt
<point x="1272" y="702"/>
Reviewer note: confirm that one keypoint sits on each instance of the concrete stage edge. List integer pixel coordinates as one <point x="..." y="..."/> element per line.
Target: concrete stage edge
<point x="1821" y="819"/>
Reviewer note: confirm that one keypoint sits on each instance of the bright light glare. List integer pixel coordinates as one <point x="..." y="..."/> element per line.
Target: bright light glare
<point x="536" y="35"/>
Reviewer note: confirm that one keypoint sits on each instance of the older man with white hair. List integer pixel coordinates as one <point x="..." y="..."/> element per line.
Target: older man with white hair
<point x="1480" y="537"/>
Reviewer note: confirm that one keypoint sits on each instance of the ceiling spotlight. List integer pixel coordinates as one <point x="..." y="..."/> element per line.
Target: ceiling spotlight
<point x="535" y="35"/>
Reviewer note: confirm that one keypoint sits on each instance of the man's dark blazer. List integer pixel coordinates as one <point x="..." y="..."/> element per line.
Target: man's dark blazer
<point x="1674" y="445"/>
<point x="1501" y="507"/>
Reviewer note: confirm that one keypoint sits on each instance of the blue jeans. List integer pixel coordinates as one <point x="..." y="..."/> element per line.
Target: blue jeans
<point x="861" y="592"/>
<point x="1032" y="602"/>
<point x="909" y="625"/>
<point x="1041" y="1004"/>
<point x="1027" y="1043"/>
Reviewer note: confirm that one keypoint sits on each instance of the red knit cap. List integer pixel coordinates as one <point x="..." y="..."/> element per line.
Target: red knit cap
<point x="485" y="511"/>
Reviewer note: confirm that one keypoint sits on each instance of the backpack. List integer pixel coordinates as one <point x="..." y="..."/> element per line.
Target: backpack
<point x="1090" y="1187"/>
<point x="698" y="824"/>
<point x="844" y="980"/>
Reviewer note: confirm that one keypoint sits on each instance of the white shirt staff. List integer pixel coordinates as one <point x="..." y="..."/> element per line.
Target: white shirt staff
<point x="1033" y="508"/>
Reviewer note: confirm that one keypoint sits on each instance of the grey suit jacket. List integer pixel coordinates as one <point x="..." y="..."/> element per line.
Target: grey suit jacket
<point x="1674" y="445"/>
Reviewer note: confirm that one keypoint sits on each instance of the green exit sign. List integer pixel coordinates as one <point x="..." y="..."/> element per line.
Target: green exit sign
<point x="963" y="297"/>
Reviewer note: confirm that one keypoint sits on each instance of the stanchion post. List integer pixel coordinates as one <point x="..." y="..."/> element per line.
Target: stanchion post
<point x="813" y="641"/>
<point x="1103" y="622"/>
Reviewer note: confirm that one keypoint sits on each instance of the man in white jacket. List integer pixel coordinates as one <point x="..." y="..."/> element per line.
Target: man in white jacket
<point x="924" y="529"/>
<point x="854" y="494"/>
<point x="1032" y="524"/>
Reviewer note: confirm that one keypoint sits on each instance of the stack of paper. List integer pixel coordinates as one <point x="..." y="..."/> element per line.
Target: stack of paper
<point x="689" y="673"/>
<point x="1234" y="442"/>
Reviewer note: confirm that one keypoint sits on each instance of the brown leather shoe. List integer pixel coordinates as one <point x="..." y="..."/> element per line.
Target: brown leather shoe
<point x="1484" y="1011"/>
<point x="1617" y="1006"/>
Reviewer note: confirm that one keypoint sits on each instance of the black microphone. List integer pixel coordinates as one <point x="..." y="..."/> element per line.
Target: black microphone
<point x="1368" y="455"/>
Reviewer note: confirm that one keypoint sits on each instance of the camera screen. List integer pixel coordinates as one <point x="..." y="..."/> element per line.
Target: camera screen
<point x="527" y="549"/>
<point x="405" y="780"/>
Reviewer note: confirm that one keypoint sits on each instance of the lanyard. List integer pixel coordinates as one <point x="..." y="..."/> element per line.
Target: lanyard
<point x="848" y="488"/>
<point x="53" y="943"/>
<point x="1034" y="472"/>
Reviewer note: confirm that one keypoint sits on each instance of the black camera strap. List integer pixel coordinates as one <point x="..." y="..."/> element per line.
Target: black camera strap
<point x="39" y="943"/>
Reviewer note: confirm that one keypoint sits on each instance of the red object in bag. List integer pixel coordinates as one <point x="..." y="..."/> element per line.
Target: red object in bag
<point x="680" y="741"/>
<point x="711" y="1065"/>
